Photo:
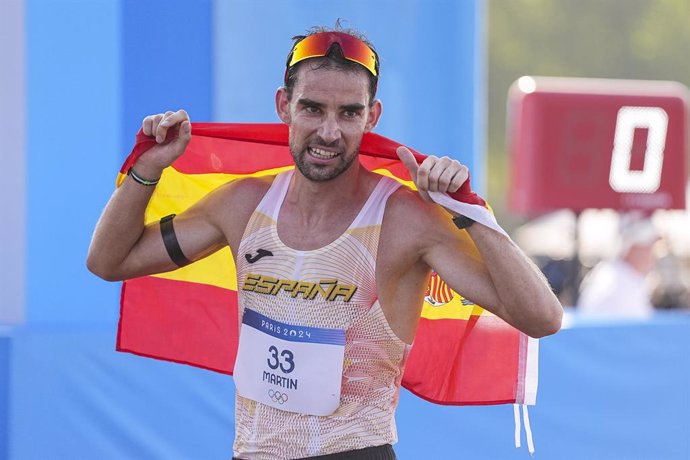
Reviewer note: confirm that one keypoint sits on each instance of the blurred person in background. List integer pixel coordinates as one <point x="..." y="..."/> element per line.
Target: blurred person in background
<point x="619" y="287"/>
<point x="670" y="283"/>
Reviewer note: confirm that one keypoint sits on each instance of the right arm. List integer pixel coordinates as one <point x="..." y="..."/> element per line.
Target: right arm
<point x="122" y="247"/>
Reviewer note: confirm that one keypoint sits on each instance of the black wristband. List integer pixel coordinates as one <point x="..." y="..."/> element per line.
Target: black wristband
<point x="171" y="243"/>
<point x="462" y="221"/>
<point x="140" y="180"/>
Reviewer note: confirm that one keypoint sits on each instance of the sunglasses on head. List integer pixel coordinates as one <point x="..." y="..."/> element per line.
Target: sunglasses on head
<point x="318" y="45"/>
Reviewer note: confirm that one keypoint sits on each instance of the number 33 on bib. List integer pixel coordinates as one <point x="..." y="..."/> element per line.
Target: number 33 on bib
<point x="289" y="367"/>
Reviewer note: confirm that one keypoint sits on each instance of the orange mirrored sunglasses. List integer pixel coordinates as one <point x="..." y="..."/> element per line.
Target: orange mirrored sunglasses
<point x="317" y="45"/>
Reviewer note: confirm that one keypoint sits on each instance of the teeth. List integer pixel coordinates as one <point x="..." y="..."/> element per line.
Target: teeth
<point x="318" y="153"/>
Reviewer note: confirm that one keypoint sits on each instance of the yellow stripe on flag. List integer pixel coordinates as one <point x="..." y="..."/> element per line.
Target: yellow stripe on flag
<point x="217" y="270"/>
<point x="174" y="194"/>
<point x="453" y="310"/>
<point x="387" y="173"/>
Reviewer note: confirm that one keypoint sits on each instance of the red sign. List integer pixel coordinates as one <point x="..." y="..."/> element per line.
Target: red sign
<point x="591" y="143"/>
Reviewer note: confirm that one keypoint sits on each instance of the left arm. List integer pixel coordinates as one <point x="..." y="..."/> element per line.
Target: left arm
<point x="525" y="296"/>
<point x="517" y="291"/>
<point x="504" y="281"/>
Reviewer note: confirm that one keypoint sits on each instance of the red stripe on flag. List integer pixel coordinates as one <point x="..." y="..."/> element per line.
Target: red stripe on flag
<point x="458" y="362"/>
<point x="179" y="321"/>
<point x="209" y="155"/>
<point x="259" y="146"/>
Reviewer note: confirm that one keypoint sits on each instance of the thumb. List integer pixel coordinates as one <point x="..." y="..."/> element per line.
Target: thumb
<point x="408" y="160"/>
<point x="185" y="133"/>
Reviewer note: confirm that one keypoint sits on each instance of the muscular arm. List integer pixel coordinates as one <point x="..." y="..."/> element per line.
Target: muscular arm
<point x="122" y="247"/>
<point x="500" y="277"/>
<point x="502" y="280"/>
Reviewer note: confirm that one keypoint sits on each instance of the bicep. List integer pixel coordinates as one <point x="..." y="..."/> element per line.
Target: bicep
<point x="198" y="235"/>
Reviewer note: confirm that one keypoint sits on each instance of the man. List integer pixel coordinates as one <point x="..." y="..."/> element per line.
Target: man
<point x="332" y="254"/>
<point x="618" y="287"/>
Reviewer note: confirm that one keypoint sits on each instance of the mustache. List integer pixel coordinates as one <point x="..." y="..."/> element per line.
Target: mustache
<point x="319" y="142"/>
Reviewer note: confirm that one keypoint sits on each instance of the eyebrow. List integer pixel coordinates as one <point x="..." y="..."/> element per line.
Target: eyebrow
<point x="353" y="107"/>
<point x="309" y="102"/>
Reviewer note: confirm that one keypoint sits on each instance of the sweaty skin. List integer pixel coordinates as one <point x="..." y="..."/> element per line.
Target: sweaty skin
<point x="327" y="115"/>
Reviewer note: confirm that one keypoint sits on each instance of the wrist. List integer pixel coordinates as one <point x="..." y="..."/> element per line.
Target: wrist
<point x="147" y="170"/>
<point x="139" y="178"/>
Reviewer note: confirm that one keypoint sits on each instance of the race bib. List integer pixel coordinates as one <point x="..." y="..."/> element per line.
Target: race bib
<point x="292" y="368"/>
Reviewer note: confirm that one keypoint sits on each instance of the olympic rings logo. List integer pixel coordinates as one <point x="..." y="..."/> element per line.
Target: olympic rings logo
<point x="277" y="396"/>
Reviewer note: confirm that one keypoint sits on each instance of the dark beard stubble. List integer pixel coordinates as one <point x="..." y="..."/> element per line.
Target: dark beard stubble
<point x="321" y="173"/>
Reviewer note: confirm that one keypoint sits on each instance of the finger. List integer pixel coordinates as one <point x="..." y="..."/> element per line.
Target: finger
<point x="185" y="134"/>
<point x="166" y="117"/>
<point x="147" y="125"/>
<point x="438" y="167"/>
<point x="172" y="120"/>
<point x="460" y="178"/>
<point x="155" y="125"/>
<point x="424" y="172"/>
<point x="164" y="125"/>
<point x="165" y="121"/>
<point x="447" y="176"/>
<point x="409" y="161"/>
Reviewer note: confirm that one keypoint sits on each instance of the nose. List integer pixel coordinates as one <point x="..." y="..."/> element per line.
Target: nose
<point x="329" y="130"/>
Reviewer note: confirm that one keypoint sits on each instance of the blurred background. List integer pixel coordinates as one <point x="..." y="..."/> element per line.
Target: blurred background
<point x="77" y="77"/>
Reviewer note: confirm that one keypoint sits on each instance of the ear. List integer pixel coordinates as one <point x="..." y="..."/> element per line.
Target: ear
<point x="374" y="115"/>
<point x="283" y="105"/>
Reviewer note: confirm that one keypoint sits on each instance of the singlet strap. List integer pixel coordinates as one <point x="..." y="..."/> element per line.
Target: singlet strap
<point x="273" y="199"/>
<point x="372" y="211"/>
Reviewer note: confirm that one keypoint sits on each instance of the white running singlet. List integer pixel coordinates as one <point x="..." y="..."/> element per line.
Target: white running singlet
<point x="332" y="288"/>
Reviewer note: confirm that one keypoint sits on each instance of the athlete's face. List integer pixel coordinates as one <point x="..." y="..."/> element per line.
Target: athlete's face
<point x="328" y="114"/>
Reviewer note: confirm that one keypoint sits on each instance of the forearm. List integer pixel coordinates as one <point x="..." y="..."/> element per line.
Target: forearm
<point x="122" y="247"/>
<point x="119" y="229"/>
<point x="526" y="300"/>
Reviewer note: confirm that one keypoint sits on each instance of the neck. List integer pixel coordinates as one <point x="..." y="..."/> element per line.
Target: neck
<point x="314" y="199"/>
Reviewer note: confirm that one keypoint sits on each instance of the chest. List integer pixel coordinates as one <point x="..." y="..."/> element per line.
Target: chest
<point x="317" y="231"/>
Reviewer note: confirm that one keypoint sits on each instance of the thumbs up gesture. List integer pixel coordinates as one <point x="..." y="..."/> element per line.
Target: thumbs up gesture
<point x="435" y="174"/>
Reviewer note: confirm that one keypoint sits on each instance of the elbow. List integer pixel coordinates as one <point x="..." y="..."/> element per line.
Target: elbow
<point x="550" y="323"/>
<point x="100" y="271"/>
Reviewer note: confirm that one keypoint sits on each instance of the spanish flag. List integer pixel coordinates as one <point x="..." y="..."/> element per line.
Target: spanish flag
<point x="461" y="355"/>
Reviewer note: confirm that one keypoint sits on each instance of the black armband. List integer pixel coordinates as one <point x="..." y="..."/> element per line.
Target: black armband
<point x="462" y="221"/>
<point x="171" y="243"/>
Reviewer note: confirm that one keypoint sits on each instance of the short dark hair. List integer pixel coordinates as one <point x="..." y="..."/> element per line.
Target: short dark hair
<point x="333" y="60"/>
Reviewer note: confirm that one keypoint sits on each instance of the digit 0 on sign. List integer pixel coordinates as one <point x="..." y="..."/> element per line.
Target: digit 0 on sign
<point x="621" y="177"/>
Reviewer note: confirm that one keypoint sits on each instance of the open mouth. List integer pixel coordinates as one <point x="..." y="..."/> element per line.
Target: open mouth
<point x="321" y="154"/>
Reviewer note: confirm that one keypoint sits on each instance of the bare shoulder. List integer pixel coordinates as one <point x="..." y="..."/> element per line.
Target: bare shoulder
<point x="242" y="193"/>
<point x="408" y="218"/>
<point x="231" y="205"/>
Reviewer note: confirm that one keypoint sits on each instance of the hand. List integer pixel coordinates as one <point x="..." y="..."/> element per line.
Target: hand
<point x="435" y="174"/>
<point x="172" y="131"/>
